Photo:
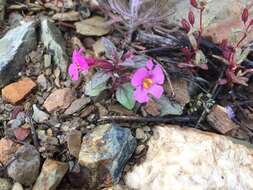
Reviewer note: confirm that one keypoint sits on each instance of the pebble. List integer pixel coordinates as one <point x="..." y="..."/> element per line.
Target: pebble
<point x="38" y="115"/>
<point x="59" y="99"/>
<point x="77" y="105"/>
<point x="74" y="142"/>
<point x="17" y="91"/>
<point x="42" y="82"/>
<point x="51" y="175"/>
<point x="25" y="168"/>
<point x="67" y="16"/>
<point x="7" y="149"/>
<point x="17" y="186"/>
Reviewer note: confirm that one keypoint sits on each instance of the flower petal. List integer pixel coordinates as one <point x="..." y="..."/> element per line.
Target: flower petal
<point x="83" y="63"/>
<point x="73" y="72"/>
<point x="157" y="75"/>
<point x="138" y="77"/>
<point x="150" y="64"/>
<point x="156" y="91"/>
<point x="141" y="95"/>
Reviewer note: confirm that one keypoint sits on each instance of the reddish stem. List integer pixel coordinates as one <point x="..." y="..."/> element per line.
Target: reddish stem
<point x="201" y="21"/>
<point x="241" y="40"/>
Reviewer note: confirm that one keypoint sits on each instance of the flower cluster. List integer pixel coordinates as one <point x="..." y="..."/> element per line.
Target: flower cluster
<point x="145" y="82"/>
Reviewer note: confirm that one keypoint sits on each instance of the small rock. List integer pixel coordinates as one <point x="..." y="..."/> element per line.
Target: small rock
<point x="218" y="118"/>
<point x="102" y="110"/>
<point x="140" y="134"/>
<point x="42" y="82"/>
<point x="74" y="142"/>
<point x="59" y="99"/>
<point x="153" y="108"/>
<point x="51" y="175"/>
<point x="22" y="132"/>
<point x="94" y="26"/>
<point x="47" y="60"/>
<point x="7" y="149"/>
<point x="38" y="115"/>
<point x="87" y="111"/>
<point x="67" y="16"/>
<point x="180" y="87"/>
<point x="17" y="186"/>
<point x="105" y="152"/>
<point x="25" y="168"/>
<point x="5" y="184"/>
<point x="77" y="105"/>
<point x="53" y="41"/>
<point x="20" y="119"/>
<point x="16" y="43"/>
<point x="192" y="159"/>
<point x="17" y="91"/>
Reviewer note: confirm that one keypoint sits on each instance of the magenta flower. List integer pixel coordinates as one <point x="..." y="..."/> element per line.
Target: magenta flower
<point x="79" y="63"/>
<point x="148" y="81"/>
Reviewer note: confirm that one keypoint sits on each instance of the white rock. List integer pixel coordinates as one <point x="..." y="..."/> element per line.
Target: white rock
<point x="189" y="159"/>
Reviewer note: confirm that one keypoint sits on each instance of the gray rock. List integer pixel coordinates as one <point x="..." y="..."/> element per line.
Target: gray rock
<point x="17" y="186"/>
<point x="5" y="184"/>
<point x="42" y="81"/>
<point x="20" y="119"/>
<point x="25" y="168"/>
<point x="77" y="105"/>
<point x="13" y="47"/>
<point x="53" y="40"/>
<point x="51" y="175"/>
<point x="38" y="115"/>
<point x="105" y="152"/>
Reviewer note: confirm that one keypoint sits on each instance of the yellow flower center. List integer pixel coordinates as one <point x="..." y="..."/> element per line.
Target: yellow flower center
<point x="147" y="82"/>
<point x="78" y="66"/>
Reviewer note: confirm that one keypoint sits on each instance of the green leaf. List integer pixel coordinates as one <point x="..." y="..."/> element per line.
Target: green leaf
<point x="242" y="55"/>
<point x="99" y="78"/>
<point x="124" y="96"/>
<point x="110" y="49"/>
<point x="135" y="62"/>
<point x="94" y="91"/>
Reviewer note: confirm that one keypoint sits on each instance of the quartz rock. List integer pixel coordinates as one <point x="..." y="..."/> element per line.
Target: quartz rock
<point x="181" y="158"/>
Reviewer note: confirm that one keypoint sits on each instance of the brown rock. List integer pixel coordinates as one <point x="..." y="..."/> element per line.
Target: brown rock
<point x="218" y="119"/>
<point x="181" y="91"/>
<point x="7" y="149"/>
<point x="74" y="142"/>
<point x="59" y="99"/>
<point x="51" y="175"/>
<point x="17" y="91"/>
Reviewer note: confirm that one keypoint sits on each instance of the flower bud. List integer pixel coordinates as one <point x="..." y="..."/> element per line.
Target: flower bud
<point x="191" y="18"/>
<point x="245" y="15"/>
<point x="186" y="26"/>
<point x="194" y="3"/>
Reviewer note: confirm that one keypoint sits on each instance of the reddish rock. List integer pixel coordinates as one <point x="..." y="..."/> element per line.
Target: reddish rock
<point x="59" y="99"/>
<point x="7" y="149"/>
<point x="219" y="120"/>
<point x="17" y="91"/>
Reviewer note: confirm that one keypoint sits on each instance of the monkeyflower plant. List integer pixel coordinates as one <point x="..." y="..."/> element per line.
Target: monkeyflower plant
<point x="131" y="77"/>
<point x="194" y="57"/>
<point x="234" y="54"/>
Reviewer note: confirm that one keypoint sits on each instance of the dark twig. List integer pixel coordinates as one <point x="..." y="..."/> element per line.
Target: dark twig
<point x="168" y="120"/>
<point x="33" y="131"/>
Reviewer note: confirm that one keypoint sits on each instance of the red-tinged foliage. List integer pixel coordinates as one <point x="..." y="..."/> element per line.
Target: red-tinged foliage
<point x="245" y="15"/>
<point x="194" y="3"/>
<point x="191" y="18"/>
<point x="185" y="25"/>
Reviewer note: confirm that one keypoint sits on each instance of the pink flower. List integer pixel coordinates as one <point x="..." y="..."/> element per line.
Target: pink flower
<point x="148" y="81"/>
<point x="79" y="63"/>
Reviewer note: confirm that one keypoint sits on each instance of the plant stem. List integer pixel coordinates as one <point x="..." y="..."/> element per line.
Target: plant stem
<point x="201" y="22"/>
<point x="241" y="40"/>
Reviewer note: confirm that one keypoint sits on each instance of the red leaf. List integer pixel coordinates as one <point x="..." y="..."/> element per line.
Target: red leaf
<point x="186" y="26"/>
<point x="21" y="133"/>
<point x="191" y="18"/>
<point x="194" y="3"/>
<point x="245" y="15"/>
